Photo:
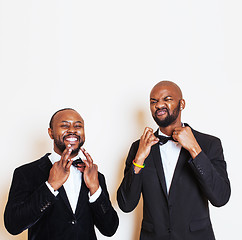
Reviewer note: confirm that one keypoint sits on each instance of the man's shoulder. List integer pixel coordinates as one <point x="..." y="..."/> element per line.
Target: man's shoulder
<point x="135" y="145"/>
<point x="136" y="142"/>
<point x="205" y="137"/>
<point x="31" y="165"/>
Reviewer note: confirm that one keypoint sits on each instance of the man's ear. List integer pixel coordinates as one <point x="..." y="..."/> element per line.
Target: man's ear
<point x="50" y="131"/>
<point x="182" y="104"/>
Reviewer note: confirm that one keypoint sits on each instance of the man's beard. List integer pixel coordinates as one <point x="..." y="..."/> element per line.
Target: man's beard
<point x="170" y="118"/>
<point x="61" y="145"/>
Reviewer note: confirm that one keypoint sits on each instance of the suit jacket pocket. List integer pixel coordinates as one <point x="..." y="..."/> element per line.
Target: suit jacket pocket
<point x="147" y="226"/>
<point x="199" y="224"/>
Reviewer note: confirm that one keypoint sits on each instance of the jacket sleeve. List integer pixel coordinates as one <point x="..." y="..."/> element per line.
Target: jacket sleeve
<point x="210" y="170"/>
<point x="105" y="217"/>
<point x="25" y="206"/>
<point x="129" y="192"/>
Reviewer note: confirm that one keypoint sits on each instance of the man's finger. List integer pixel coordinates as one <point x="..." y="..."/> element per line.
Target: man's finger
<point x="86" y="163"/>
<point x="69" y="163"/>
<point x="147" y="135"/>
<point x="147" y="132"/>
<point x="147" y="129"/>
<point x="65" y="156"/>
<point x="88" y="157"/>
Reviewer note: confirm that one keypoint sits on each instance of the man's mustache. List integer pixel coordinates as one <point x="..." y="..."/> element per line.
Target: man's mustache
<point x="161" y="109"/>
<point x="72" y="135"/>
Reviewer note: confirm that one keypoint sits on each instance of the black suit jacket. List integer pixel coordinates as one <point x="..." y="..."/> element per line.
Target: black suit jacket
<point x="183" y="214"/>
<point x="32" y="206"/>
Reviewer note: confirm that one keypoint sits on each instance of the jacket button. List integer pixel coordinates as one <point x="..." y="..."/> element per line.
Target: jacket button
<point x="73" y="222"/>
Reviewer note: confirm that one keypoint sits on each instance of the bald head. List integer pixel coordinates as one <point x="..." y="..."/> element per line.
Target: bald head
<point x="57" y="112"/>
<point x="170" y="86"/>
<point x="67" y="129"/>
<point x="166" y="104"/>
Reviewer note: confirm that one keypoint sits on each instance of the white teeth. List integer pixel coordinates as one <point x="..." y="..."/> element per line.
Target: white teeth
<point x="71" y="139"/>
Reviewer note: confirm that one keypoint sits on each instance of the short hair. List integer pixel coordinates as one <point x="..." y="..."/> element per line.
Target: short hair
<point x="52" y="118"/>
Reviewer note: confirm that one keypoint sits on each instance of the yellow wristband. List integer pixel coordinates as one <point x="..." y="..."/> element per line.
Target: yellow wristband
<point x="137" y="165"/>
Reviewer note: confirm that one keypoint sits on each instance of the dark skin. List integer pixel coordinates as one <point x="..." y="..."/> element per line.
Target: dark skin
<point x="165" y="96"/>
<point x="68" y="129"/>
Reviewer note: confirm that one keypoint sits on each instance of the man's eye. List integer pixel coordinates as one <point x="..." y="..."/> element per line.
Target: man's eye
<point x="78" y="126"/>
<point x="64" y="126"/>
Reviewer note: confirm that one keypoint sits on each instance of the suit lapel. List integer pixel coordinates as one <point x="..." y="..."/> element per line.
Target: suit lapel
<point x="83" y="197"/>
<point x="159" y="167"/>
<point x="64" y="197"/>
<point x="181" y="162"/>
<point x="183" y="158"/>
<point x="45" y="166"/>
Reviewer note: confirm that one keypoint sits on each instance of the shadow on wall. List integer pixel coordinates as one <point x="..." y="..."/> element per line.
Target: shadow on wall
<point x="41" y="147"/>
<point x="140" y="126"/>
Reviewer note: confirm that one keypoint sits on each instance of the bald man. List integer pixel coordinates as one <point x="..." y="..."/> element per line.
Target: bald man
<point x="177" y="170"/>
<point x="61" y="196"/>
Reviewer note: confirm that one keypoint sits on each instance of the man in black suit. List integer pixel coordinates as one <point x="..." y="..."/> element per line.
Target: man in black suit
<point x="61" y="197"/>
<point x="177" y="170"/>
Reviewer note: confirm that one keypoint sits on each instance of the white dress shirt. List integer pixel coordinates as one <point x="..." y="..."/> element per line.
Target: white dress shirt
<point x="170" y="152"/>
<point x="72" y="185"/>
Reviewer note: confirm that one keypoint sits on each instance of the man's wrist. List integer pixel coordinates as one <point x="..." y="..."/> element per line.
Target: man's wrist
<point x="93" y="197"/>
<point x="54" y="192"/>
<point x="139" y="160"/>
<point x="194" y="151"/>
<point x="93" y="189"/>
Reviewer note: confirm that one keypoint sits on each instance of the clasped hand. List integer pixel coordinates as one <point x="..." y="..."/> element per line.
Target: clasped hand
<point x="60" y="171"/>
<point x="183" y="135"/>
<point x="147" y="140"/>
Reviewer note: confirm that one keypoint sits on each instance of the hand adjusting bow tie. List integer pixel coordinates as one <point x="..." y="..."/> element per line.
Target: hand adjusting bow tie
<point x="164" y="139"/>
<point x="77" y="161"/>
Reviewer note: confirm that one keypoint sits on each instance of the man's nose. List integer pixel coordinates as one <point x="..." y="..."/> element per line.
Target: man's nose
<point x="72" y="129"/>
<point x="160" y="104"/>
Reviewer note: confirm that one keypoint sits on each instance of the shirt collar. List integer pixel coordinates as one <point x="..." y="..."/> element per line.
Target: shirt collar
<point x="162" y="134"/>
<point x="55" y="157"/>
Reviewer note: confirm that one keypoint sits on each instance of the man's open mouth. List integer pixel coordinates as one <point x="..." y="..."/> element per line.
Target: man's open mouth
<point x="161" y="112"/>
<point x="72" y="138"/>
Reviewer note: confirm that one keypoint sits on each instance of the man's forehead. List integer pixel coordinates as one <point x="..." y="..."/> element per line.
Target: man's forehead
<point x="165" y="90"/>
<point x="162" y="91"/>
<point x="68" y="116"/>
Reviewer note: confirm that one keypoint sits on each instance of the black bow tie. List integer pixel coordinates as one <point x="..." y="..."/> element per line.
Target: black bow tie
<point x="164" y="139"/>
<point x="77" y="161"/>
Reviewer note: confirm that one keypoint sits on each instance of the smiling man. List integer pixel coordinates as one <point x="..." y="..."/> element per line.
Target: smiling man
<point x="177" y="170"/>
<point x="60" y="196"/>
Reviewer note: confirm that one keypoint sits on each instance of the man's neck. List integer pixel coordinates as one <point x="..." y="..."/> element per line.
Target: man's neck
<point x="169" y="129"/>
<point x="60" y="153"/>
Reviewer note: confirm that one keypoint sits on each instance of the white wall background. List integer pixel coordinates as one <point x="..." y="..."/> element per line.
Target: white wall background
<point x="102" y="58"/>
